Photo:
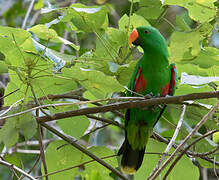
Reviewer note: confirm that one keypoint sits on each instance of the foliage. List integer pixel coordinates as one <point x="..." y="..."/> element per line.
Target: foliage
<point x="96" y="57"/>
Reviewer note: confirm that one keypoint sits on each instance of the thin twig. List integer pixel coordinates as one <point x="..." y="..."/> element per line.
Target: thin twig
<point x="15" y="168"/>
<point x="62" y="49"/>
<point x="195" y="154"/>
<point x="189" y="153"/>
<point x="9" y="93"/>
<point x="132" y="104"/>
<point x="197" y="127"/>
<point x="105" y="46"/>
<point x="27" y="14"/>
<point x="35" y="164"/>
<point x="106" y="121"/>
<point x="26" y="151"/>
<point x="42" y="154"/>
<point x="169" y="146"/>
<point x="7" y="110"/>
<point x="84" y="150"/>
<point x="97" y="128"/>
<point x="215" y="171"/>
<point x="184" y="151"/>
<point x="36" y="100"/>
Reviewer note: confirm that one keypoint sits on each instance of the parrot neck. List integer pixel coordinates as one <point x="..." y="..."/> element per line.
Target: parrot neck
<point x="156" y="60"/>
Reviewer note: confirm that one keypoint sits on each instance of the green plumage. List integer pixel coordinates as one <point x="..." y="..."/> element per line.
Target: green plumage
<point x="152" y="75"/>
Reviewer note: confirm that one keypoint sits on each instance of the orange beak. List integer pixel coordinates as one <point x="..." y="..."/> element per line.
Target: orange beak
<point x="133" y="36"/>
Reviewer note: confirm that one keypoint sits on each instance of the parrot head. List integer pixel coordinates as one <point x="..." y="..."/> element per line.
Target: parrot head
<point x="149" y="38"/>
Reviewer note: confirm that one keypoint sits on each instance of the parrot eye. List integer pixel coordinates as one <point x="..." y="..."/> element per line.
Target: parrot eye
<point x="146" y="32"/>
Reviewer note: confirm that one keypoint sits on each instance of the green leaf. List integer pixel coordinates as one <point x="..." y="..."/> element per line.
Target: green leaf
<point x="74" y="126"/>
<point x="182" y="43"/>
<point x="27" y="125"/>
<point x="187" y="89"/>
<point x="3" y="67"/>
<point x="150" y="9"/>
<point x="24" y="123"/>
<point x="68" y="156"/>
<point x="135" y="21"/>
<point x="207" y="58"/>
<point x="15" y="83"/>
<point x="43" y="32"/>
<point x="100" y="86"/>
<point x="85" y="17"/>
<point x="9" y="133"/>
<point x="101" y="151"/>
<point x="199" y="10"/>
<point x="20" y="34"/>
<point x="59" y="63"/>
<point x="191" y="69"/>
<point x="64" y="157"/>
<point x="181" y="23"/>
<point x="178" y="172"/>
<point x="124" y="72"/>
<point x="38" y="5"/>
<point x="134" y="1"/>
<point x="215" y="137"/>
<point x="116" y="36"/>
<point x="108" y="45"/>
<point x="94" y="175"/>
<point x="14" y="51"/>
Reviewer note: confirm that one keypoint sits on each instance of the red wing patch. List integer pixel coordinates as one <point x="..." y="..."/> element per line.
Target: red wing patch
<point x="169" y="88"/>
<point x="165" y="90"/>
<point x="173" y="79"/>
<point x="140" y="82"/>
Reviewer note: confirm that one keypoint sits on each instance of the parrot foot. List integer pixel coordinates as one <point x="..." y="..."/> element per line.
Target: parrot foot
<point x="149" y="96"/>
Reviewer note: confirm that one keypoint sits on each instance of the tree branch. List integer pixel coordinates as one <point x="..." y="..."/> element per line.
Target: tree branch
<point x="172" y="140"/>
<point x="159" y="138"/>
<point x="184" y="151"/>
<point x="130" y="104"/>
<point x="204" y="119"/>
<point x="84" y="150"/>
<point x="27" y="14"/>
<point x="106" y="121"/>
<point x="12" y="166"/>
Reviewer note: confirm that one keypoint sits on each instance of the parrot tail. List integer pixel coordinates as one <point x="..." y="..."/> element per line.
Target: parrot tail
<point x="131" y="159"/>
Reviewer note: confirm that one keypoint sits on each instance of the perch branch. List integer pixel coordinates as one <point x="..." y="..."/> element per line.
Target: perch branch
<point x="131" y="104"/>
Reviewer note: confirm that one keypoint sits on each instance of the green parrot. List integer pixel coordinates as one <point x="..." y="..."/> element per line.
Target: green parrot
<point x="152" y="75"/>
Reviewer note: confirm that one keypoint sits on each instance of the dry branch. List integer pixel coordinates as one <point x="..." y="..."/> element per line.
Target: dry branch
<point x="130" y="104"/>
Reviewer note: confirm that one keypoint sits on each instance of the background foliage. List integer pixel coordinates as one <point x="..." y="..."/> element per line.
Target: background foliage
<point x="66" y="45"/>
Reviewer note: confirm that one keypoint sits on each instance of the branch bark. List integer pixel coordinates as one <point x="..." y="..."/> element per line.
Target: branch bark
<point x="130" y="104"/>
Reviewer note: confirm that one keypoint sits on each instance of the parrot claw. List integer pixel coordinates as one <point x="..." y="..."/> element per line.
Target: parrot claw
<point x="149" y="96"/>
